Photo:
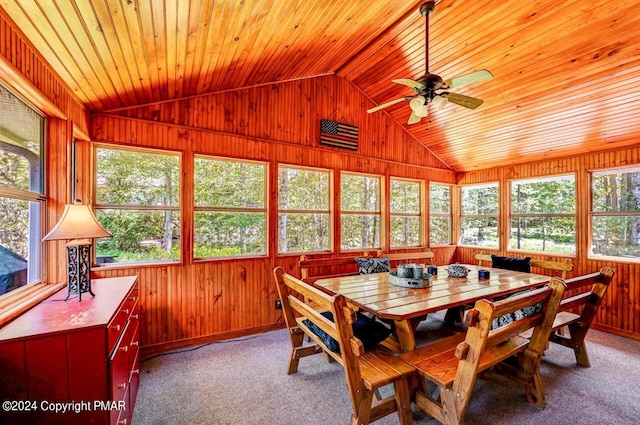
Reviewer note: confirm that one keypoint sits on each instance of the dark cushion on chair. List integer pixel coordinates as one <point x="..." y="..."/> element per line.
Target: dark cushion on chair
<point x="366" y="329"/>
<point x="516" y="315"/>
<point x="511" y="263"/>
<point x="373" y="265"/>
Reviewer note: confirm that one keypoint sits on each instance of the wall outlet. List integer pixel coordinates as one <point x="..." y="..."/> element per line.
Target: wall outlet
<point x="278" y="304"/>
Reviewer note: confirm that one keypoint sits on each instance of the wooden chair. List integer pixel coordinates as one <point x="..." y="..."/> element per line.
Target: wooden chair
<point x="365" y="371"/>
<point x="452" y="365"/>
<point x="312" y="269"/>
<point x="565" y="267"/>
<point x="578" y="311"/>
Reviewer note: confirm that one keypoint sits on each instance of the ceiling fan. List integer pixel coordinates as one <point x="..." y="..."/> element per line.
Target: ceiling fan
<point x="430" y="88"/>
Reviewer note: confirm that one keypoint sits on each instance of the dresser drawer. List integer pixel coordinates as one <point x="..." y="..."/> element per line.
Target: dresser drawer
<point x="117" y="325"/>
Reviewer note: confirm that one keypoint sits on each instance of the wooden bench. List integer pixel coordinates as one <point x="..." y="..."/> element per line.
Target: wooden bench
<point x="578" y="311"/>
<point x="365" y="371"/>
<point x="422" y="257"/>
<point x="565" y="267"/>
<point x="312" y="269"/>
<point x="453" y="364"/>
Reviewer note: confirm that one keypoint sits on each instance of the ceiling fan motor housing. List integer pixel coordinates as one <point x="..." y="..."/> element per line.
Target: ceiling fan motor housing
<point x="431" y="83"/>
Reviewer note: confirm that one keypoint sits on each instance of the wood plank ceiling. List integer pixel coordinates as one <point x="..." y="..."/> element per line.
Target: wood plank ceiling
<point x="567" y="73"/>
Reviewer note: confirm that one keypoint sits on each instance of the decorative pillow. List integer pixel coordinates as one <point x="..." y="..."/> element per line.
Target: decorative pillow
<point x="373" y="265"/>
<point x="511" y="263"/>
<point x="516" y="315"/>
<point x="365" y="329"/>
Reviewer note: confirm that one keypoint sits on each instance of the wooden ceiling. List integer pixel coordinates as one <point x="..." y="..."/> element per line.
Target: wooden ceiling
<point x="567" y="73"/>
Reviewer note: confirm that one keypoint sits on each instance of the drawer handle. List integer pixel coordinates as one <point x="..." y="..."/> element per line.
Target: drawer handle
<point x="136" y="371"/>
<point x="135" y="316"/>
<point x="133" y="298"/>
<point x="125" y="348"/>
<point x="123" y="422"/>
<point x="117" y="328"/>
<point x="122" y="386"/>
<point x="134" y="343"/>
<point x="125" y="311"/>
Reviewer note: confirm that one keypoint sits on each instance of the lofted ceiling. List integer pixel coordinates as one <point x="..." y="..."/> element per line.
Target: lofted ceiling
<point x="567" y="73"/>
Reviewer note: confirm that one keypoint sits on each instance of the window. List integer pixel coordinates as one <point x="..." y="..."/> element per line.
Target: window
<point x="138" y="201"/>
<point x="439" y="214"/>
<point x="615" y="213"/>
<point x="406" y="220"/>
<point x="543" y="215"/>
<point x="21" y="190"/>
<point x="304" y="216"/>
<point x="360" y="214"/>
<point x="479" y="215"/>
<point x="230" y="217"/>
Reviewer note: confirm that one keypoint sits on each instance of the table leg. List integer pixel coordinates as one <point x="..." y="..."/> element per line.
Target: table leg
<point x="404" y="333"/>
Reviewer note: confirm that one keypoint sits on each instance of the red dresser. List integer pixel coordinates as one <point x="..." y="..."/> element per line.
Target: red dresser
<point x="71" y="362"/>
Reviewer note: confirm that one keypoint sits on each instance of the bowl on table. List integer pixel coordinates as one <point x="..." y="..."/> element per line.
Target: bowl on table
<point x="457" y="270"/>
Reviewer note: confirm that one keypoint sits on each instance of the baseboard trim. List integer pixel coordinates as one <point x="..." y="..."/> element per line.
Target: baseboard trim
<point x="166" y="347"/>
<point x="616" y="331"/>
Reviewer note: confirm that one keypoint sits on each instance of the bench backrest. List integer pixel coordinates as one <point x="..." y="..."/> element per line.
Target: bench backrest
<point x="312" y="269"/>
<point x="425" y="256"/>
<point x="564" y="267"/>
<point x="588" y="301"/>
<point x="296" y="310"/>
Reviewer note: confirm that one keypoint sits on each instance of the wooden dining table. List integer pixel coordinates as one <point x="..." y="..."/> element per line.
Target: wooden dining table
<point x="406" y="307"/>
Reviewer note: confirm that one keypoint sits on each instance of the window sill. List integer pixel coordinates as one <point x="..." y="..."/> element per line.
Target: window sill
<point x="17" y="302"/>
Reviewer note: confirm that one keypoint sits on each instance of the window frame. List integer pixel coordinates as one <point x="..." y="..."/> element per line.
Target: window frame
<point x="573" y="215"/>
<point x="419" y="214"/>
<point x="135" y="207"/>
<point x="496" y="215"/>
<point x="448" y="216"/>
<point x="30" y="196"/>
<point x="264" y="209"/>
<point x="330" y="209"/>
<point x="380" y="212"/>
<point x="592" y="214"/>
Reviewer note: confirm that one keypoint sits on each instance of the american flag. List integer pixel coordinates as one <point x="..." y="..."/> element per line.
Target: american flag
<point x="338" y="134"/>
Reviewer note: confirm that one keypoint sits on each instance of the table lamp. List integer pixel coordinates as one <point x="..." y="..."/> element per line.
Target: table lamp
<point x="80" y="225"/>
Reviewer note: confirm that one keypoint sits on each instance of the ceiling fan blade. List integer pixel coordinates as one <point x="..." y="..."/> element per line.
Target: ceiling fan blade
<point x="409" y="82"/>
<point x="474" y="77"/>
<point x="413" y="118"/>
<point x="462" y="100"/>
<point x="389" y="103"/>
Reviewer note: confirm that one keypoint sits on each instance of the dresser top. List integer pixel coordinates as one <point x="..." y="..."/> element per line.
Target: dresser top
<point x="54" y="315"/>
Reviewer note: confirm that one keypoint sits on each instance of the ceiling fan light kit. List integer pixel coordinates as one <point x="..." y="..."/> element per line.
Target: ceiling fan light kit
<point x="428" y="87"/>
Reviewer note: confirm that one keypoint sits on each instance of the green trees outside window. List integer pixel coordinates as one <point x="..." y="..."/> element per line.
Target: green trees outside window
<point x="439" y="214"/>
<point x="406" y="219"/>
<point x="304" y="215"/>
<point x="21" y="192"/>
<point x="138" y="201"/>
<point x="615" y="213"/>
<point x="360" y="214"/>
<point x="479" y="215"/>
<point x="543" y="215"/>
<point x="230" y="208"/>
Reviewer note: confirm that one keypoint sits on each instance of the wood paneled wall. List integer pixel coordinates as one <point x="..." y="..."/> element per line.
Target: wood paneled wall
<point x="621" y="310"/>
<point x="26" y="73"/>
<point x="195" y="302"/>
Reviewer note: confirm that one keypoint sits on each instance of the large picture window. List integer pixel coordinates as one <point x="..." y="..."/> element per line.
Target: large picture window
<point x="615" y="213"/>
<point x="360" y="214"/>
<point x="439" y="214"/>
<point x="304" y="215"/>
<point x="138" y="201"/>
<point x="406" y="218"/>
<point x="230" y="208"/>
<point x="543" y="215"/>
<point x="21" y="192"/>
<point x="479" y="215"/>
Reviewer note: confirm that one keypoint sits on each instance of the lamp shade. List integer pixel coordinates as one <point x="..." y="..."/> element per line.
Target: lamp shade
<point x="77" y="222"/>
